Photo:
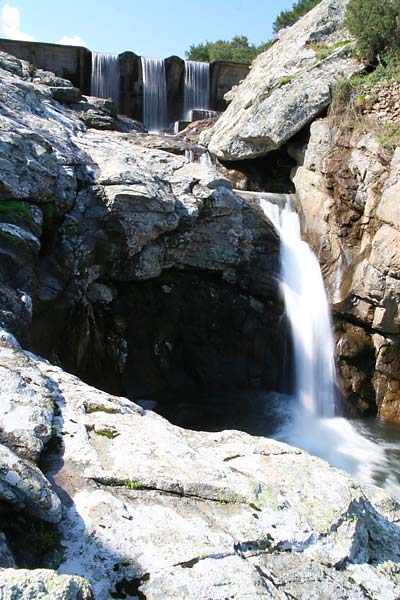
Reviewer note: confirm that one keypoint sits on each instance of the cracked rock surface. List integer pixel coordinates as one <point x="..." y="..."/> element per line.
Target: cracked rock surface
<point x="172" y="513"/>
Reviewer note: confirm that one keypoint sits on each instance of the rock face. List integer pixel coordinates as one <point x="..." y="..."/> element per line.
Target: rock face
<point x="112" y="240"/>
<point x="348" y="188"/>
<point x="150" y="509"/>
<point x="287" y="87"/>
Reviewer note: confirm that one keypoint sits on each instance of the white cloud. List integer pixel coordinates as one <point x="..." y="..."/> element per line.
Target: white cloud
<point x="11" y="22"/>
<point x="73" y="40"/>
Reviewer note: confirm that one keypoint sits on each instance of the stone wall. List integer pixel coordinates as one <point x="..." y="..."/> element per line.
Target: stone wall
<point x="75" y="64"/>
<point x="225" y="75"/>
<point x="69" y="62"/>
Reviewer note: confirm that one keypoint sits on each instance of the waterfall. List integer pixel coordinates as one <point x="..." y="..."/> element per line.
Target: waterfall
<point x="105" y="81"/>
<point x="307" y="310"/>
<point x="154" y="94"/>
<point x="310" y="422"/>
<point x="197" y="87"/>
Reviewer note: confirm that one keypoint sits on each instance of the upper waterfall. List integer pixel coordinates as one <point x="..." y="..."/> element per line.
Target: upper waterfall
<point x="307" y="310"/>
<point x="154" y="94"/>
<point x="105" y="82"/>
<point x="197" y="87"/>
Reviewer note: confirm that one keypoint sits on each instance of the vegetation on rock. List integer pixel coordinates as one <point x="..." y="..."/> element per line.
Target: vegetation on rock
<point x="238" y="50"/>
<point x="368" y="100"/>
<point x="376" y="25"/>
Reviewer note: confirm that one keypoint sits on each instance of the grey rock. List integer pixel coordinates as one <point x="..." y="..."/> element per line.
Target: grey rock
<point x="11" y="64"/>
<point x="26" y="402"/>
<point x="96" y="113"/>
<point x="25" y="487"/>
<point x="42" y="584"/>
<point x="48" y="78"/>
<point x="188" y="514"/>
<point x="6" y="558"/>
<point x="65" y="95"/>
<point x="287" y="86"/>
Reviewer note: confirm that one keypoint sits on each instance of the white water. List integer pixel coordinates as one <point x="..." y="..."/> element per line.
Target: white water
<point x="311" y="423"/>
<point x="154" y="94"/>
<point x="197" y="87"/>
<point x="204" y="158"/>
<point x="308" y="313"/>
<point x="105" y="82"/>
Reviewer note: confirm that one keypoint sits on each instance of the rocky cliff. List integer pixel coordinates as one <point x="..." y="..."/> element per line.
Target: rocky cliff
<point x="348" y="187"/>
<point x="115" y="248"/>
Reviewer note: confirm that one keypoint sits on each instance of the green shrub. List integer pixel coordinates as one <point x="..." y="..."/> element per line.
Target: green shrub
<point x="376" y="25"/>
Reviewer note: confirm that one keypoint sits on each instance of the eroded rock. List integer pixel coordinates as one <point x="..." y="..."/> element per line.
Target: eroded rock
<point x="347" y="187"/>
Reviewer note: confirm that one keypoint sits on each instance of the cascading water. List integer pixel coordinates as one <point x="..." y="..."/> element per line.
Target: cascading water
<point x="105" y="82"/>
<point x="154" y="94"/>
<point x="307" y="311"/>
<point x="311" y="423"/>
<point x="197" y="87"/>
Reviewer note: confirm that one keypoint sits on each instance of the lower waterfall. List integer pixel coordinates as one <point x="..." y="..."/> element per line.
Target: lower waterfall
<point x="197" y="87"/>
<point x="308" y="418"/>
<point x="154" y="94"/>
<point x="308" y="313"/>
<point x="105" y="81"/>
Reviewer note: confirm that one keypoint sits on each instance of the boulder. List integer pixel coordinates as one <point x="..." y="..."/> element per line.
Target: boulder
<point x="42" y="584"/>
<point x="26" y="402"/>
<point x="25" y="487"/>
<point x="288" y="86"/>
<point x="65" y="95"/>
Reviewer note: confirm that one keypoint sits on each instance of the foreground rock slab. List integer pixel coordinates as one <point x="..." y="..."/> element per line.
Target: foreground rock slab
<point x="154" y="509"/>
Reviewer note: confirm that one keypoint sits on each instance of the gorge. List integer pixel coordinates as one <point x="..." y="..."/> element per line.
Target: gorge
<point x="134" y="278"/>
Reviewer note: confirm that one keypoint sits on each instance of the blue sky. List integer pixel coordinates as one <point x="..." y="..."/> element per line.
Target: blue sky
<point x="147" y="27"/>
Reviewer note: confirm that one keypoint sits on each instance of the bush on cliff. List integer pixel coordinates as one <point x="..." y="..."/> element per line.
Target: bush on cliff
<point x="376" y="25"/>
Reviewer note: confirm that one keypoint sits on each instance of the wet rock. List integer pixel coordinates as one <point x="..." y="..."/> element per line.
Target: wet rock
<point x="6" y="558"/>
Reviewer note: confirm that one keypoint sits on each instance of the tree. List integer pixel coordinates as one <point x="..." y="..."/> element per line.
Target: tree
<point x="199" y="52"/>
<point x="286" y="18"/>
<point x="238" y="50"/>
<point x="376" y="25"/>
